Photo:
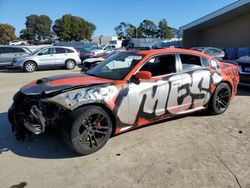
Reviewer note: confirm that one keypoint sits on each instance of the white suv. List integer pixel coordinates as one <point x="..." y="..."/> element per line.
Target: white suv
<point x="48" y="57"/>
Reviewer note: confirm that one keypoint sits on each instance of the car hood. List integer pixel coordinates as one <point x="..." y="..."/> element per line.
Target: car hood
<point x="244" y="59"/>
<point x="97" y="51"/>
<point x="94" y="59"/>
<point x="61" y="83"/>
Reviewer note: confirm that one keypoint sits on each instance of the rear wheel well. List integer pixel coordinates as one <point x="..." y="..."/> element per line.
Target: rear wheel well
<point x="69" y="59"/>
<point x="229" y="84"/>
<point x="109" y="112"/>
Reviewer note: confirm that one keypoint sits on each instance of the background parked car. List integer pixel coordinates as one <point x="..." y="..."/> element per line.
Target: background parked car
<point x="84" y="54"/>
<point x="8" y="53"/>
<point x="17" y="42"/>
<point x="83" y="48"/>
<point x="213" y="52"/>
<point x="244" y="69"/>
<point x="104" y="49"/>
<point x="89" y="63"/>
<point x="48" y="57"/>
<point x="142" y="43"/>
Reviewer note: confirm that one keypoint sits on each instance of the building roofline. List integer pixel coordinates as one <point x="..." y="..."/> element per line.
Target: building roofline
<point x="214" y="14"/>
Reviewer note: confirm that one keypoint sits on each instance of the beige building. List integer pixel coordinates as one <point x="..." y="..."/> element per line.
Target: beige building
<point x="226" y="27"/>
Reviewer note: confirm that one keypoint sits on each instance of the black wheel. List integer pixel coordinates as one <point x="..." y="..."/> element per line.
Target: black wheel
<point x="87" y="129"/>
<point x="29" y="66"/>
<point x="70" y="64"/>
<point x="220" y="99"/>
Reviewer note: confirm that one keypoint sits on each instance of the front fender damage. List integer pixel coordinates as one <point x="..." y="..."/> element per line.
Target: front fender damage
<point x="73" y="99"/>
<point x="33" y="114"/>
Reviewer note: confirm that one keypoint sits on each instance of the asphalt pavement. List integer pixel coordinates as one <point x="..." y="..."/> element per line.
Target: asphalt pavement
<point x="198" y="150"/>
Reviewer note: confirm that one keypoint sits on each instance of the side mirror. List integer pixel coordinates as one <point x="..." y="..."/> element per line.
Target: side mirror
<point x="144" y="75"/>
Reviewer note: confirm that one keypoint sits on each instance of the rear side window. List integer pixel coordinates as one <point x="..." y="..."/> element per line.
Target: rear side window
<point x="6" y="50"/>
<point x="190" y="62"/>
<point x="69" y="51"/>
<point x="18" y="50"/>
<point x="60" y="51"/>
<point x="161" y="65"/>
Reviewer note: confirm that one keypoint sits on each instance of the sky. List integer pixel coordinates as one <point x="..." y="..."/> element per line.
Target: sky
<point x="107" y="14"/>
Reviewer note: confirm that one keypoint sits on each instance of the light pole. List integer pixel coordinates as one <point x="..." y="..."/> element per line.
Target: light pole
<point x="100" y="39"/>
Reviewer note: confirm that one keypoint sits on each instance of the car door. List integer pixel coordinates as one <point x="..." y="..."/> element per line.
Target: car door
<point x="46" y="57"/>
<point x="154" y="98"/>
<point x="60" y="56"/>
<point x="196" y="85"/>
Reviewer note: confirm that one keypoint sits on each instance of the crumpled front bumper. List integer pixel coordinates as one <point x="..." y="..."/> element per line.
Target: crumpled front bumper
<point x="35" y="122"/>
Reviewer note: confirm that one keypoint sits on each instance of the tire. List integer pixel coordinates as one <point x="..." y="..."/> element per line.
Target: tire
<point x="30" y="66"/>
<point x="70" y="64"/>
<point x="87" y="129"/>
<point x="220" y="99"/>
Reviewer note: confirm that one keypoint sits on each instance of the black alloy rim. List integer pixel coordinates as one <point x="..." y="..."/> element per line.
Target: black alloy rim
<point x="222" y="99"/>
<point x="93" y="130"/>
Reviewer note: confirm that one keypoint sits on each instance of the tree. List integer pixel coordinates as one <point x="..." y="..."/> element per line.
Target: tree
<point x="7" y="33"/>
<point x="164" y="31"/>
<point x="147" y="29"/>
<point x="73" y="28"/>
<point x="37" y="27"/>
<point x="126" y="30"/>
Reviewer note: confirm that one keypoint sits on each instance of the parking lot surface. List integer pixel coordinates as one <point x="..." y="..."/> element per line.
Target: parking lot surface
<point x="198" y="150"/>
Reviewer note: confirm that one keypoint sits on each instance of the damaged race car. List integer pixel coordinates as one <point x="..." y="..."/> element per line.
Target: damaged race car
<point x="125" y="91"/>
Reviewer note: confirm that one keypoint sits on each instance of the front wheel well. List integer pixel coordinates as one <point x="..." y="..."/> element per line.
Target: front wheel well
<point x="29" y="61"/>
<point x="109" y="112"/>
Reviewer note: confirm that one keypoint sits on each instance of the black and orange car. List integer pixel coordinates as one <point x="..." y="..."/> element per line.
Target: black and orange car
<point x="126" y="91"/>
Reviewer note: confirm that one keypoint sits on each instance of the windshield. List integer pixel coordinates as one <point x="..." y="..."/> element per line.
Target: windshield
<point x="91" y="48"/>
<point x="100" y="47"/>
<point x="116" y="67"/>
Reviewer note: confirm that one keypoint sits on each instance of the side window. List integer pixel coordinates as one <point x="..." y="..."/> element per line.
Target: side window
<point x="69" y="51"/>
<point x="7" y="50"/>
<point x="51" y="51"/>
<point x="18" y="50"/>
<point x="190" y="62"/>
<point x="161" y="65"/>
<point x="205" y="62"/>
<point x="60" y="51"/>
<point x="47" y="51"/>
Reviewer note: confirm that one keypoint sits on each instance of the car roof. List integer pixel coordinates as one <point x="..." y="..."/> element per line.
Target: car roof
<point x="12" y="46"/>
<point x="68" y="47"/>
<point x="171" y="50"/>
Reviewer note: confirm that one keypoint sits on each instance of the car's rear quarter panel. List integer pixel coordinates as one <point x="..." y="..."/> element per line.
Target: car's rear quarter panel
<point x="230" y="75"/>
